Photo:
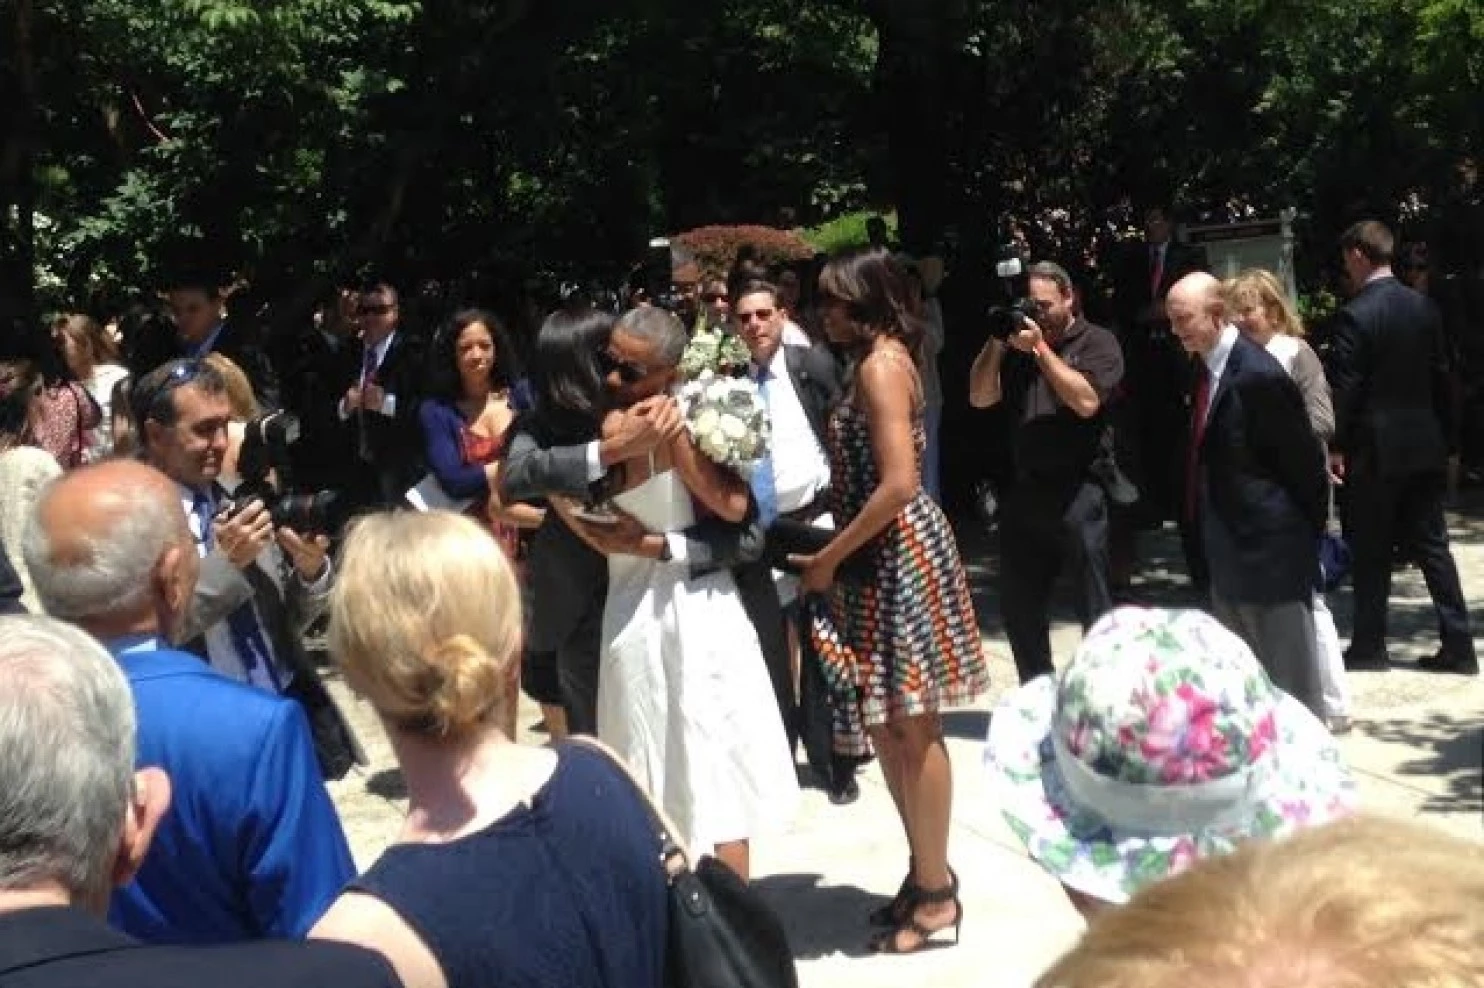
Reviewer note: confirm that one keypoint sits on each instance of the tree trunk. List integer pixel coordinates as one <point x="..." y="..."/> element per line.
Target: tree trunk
<point x="18" y="248"/>
<point x="920" y="44"/>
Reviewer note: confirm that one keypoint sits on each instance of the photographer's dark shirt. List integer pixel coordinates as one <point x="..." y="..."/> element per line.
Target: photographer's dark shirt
<point x="1052" y="443"/>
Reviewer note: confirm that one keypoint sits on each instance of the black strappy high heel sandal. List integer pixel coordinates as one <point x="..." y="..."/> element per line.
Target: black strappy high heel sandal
<point x="900" y="907"/>
<point x="888" y="942"/>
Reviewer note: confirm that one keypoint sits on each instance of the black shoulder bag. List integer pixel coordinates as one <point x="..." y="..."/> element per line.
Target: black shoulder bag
<point x="722" y="933"/>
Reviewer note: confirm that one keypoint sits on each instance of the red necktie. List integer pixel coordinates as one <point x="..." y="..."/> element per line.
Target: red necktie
<point x="1157" y="272"/>
<point x="1197" y="434"/>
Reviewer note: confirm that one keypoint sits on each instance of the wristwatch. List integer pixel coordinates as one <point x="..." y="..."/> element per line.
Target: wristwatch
<point x="665" y="554"/>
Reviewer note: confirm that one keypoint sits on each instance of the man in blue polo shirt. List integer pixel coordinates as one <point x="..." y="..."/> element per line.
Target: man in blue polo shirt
<point x="251" y="847"/>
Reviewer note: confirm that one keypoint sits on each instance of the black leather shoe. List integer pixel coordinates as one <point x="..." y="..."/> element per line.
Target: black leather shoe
<point x="1366" y="661"/>
<point x="844" y="791"/>
<point x="1447" y="661"/>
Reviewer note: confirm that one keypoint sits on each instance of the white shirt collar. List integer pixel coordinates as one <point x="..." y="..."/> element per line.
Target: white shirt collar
<point x="1221" y="352"/>
<point x="778" y="366"/>
<point x="381" y="348"/>
<point x="1384" y="271"/>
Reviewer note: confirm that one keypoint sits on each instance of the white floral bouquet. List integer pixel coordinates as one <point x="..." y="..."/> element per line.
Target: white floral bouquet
<point x="727" y="418"/>
<point x="714" y="350"/>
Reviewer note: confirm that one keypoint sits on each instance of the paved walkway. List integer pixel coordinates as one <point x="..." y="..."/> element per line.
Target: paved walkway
<point x="1417" y="751"/>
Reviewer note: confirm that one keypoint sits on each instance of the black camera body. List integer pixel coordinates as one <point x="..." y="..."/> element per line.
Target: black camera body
<point x="266" y="455"/>
<point x="1005" y="320"/>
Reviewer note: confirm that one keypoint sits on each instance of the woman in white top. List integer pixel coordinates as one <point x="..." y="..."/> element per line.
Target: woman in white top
<point x="1263" y="313"/>
<point x="93" y="358"/>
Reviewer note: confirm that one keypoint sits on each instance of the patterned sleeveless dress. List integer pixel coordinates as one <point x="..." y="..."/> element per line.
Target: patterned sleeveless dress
<point x="904" y="640"/>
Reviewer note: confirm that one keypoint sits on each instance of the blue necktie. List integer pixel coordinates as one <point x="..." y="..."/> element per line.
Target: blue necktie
<point x="764" y="488"/>
<point x="242" y="624"/>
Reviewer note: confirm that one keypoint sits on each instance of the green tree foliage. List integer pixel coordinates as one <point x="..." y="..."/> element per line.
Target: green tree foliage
<point x="298" y="137"/>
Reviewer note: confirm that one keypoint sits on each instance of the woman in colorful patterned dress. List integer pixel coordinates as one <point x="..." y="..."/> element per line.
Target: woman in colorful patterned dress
<point x="898" y="638"/>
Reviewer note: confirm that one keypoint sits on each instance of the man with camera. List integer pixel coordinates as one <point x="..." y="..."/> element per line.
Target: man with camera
<point x="260" y="584"/>
<point x="1054" y="372"/>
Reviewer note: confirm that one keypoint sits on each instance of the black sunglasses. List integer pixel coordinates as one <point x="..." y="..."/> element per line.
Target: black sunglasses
<point x="627" y="372"/>
<point x="374" y="310"/>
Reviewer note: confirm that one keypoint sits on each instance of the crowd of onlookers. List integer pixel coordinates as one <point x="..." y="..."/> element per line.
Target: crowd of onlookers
<point x="166" y="733"/>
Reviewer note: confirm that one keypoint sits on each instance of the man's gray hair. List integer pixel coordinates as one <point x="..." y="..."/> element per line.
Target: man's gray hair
<point x="66" y="757"/>
<point x="112" y="572"/>
<point x="1052" y="272"/>
<point x="658" y="327"/>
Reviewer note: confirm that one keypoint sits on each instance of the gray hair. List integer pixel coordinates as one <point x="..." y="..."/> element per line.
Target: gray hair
<point x="657" y="327"/>
<point x="66" y="757"/>
<point x="1052" y="272"/>
<point x="112" y="574"/>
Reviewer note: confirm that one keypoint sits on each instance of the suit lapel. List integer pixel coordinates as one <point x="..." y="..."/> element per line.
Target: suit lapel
<point x="1235" y="362"/>
<point x="796" y="360"/>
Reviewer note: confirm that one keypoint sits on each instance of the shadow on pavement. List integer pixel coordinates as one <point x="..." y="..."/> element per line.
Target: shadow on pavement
<point x="1452" y="752"/>
<point x="821" y="919"/>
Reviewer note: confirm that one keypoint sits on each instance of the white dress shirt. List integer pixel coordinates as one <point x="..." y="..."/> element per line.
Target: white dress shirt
<point x="801" y="470"/>
<point x="388" y="405"/>
<point x="1216" y="363"/>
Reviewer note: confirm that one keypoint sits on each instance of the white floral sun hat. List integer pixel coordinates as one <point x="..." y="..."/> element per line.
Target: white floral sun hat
<point x="1162" y="742"/>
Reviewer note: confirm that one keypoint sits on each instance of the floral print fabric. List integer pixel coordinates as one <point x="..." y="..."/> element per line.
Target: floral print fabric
<point x="1166" y="713"/>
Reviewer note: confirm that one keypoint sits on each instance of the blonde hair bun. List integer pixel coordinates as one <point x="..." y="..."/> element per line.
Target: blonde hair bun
<point x="426" y="621"/>
<point x="470" y="684"/>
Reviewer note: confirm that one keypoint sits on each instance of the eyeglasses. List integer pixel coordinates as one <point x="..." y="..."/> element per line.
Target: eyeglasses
<point x="374" y="310"/>
<point x="758" y="315"/>
<point x="714" y="296"/>
<point x="628" y="373"/>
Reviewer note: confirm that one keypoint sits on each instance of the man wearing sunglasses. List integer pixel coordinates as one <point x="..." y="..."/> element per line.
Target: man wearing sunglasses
<point x="380" y="402"/>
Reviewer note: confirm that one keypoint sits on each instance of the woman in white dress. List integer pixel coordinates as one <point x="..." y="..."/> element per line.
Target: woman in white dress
<point x="683" y="693"/>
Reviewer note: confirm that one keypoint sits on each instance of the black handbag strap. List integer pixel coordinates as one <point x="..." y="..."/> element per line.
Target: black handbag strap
<point x="673" y="858"/>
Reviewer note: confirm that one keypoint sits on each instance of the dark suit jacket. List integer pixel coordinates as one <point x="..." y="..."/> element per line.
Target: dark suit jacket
<point x="63" y="947"/>
<point x="235" y="342"/>
<point x="1134" y="280"/>
<point x="1264" y="488"/>
<point x="816" y="380"/>
<point x="1387" y="372"/>
<point x="394" y="442"/>
<point x="316" y="369"/>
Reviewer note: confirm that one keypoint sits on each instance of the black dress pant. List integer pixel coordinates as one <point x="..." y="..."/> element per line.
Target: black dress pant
<point x="1045" y="529"/>
<point x="1382" y="512"/>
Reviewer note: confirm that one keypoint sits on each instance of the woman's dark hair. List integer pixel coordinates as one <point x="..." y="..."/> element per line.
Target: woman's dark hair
<point x="570" y="394"/>
<point x="877" y="293"/>
<point x="20" y="383"/>
<point x="443" y="364"/>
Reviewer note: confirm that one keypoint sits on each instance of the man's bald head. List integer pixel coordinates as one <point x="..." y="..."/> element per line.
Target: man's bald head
<point x="1196" y="312"/>
<point x="109" y="549"/>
